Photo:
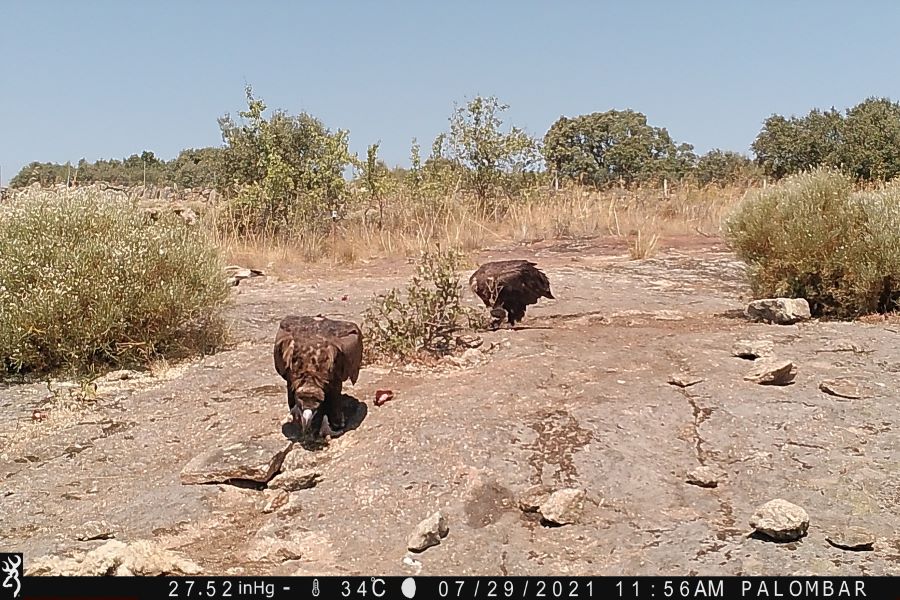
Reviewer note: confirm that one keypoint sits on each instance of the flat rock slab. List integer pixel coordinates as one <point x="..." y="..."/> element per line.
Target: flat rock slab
<point x="753" y="349"/>
<point x="842" y="387"/>
<point x="770" y="371"/>
<point x="295" y="480"/>
<point x="253" y="460"/>
<point x="705" y="477"/>
<point x="851" y="538"/>
<point x="683" y="380"/>
<point x="781" y="311"/>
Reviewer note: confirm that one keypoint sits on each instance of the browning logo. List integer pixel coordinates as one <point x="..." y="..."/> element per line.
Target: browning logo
<point x="11" y="569"/>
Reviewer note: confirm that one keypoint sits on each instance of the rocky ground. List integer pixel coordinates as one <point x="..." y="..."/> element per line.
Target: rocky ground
<point x="624" y="393"/>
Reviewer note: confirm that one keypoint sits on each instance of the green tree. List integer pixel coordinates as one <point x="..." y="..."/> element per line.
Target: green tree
<point x="614" y="146"/>
<point x="489" y="159"/>
<point x="196" y="168"/>
<point x="375" y="179"/>
<point x="723" y="167"/>
<point x="790" y="145"/>
<point x="290" y="168"/>
<point x="871" y="140"/>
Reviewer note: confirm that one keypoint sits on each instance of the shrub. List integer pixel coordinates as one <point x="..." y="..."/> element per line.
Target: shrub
<point x="425" y="321"/>
<point x="812" y="236"/>
<point x="87" y="279"/>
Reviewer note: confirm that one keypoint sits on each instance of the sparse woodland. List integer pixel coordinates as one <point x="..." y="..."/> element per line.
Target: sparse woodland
<point x="86" y="279"/>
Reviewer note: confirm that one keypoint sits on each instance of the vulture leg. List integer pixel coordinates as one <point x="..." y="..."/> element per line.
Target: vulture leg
<point x="498" y="315"/>
<point x="334" y="406"/>
<point x="292" y="403"/>
<point x="516" y="313"/>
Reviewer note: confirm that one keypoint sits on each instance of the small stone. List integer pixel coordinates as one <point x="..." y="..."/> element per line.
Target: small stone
<point x="411" y="562"/>
<point x="753" y="349"/>
<point x="781" y="311"/>
<point x="780" y="520"/>
<point x="771" y="372"/>
<point x="297" y="479"/>
<point x="121" y="375"/>
<point x="428" y="533"/>
<point x="842" y="388"/>
<point x="852" y="538"/>
<point x="682" y="380"/>
<point x="469" y="341"/>
<point x="563" y="507"/>
<point x="277" y="499"/>
<point x="703" y="476"/>
<point x="95" y="530"/>
<point x="531" y="499"/>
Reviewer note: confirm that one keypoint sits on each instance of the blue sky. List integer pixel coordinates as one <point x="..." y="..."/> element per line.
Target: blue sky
<point x="106" y="79"/>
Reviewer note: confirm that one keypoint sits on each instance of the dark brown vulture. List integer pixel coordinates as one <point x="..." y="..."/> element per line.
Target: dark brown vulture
<point x="507" y="287"/>
<point x="315" y="355"/>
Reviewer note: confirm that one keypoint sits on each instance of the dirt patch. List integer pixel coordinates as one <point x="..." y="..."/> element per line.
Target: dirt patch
<point x="578" y="396"/>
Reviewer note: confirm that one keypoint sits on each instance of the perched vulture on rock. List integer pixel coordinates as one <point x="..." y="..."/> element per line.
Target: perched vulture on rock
<point x="507" y="287"/>
<point x="315" y="355"/>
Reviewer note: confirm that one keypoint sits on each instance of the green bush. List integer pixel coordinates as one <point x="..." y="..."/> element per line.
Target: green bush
<point x="812" y="236"/>
<point x="87" y="280"/>
<point x="424" y="323"/>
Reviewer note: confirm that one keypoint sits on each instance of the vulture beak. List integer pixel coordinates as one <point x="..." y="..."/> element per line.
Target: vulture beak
<point x="305" y="419"/>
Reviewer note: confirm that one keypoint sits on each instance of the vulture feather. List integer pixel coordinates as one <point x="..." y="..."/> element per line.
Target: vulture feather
<point x="507" y="287"/>
<point x="315" y="355"/>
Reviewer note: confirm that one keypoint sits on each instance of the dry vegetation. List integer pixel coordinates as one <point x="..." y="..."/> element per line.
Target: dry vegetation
<point x="640" y="216"/>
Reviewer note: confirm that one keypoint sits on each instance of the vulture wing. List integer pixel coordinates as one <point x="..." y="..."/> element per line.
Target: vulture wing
<point x="343" y="340"/>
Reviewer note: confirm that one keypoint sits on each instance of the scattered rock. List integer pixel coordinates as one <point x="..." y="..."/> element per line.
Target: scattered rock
<point x="277" y="499"/>
<point x="411" y="562"/>
<point x="255" y="460"/>
<point x="469" y="341"/>
<point x="780" y="520"/>
<point x="142" y="558"/>
<point x="295" y="480"/>
<point x="428" y="533"/>
<point x="771" y="371"/>
<point x="705" y="477"/>
<point x="781" y="311"/>
<point x="299" y="460"/>
<point x="668" y="315"/>
<point x="842" y="388"/>
<point x="282" y="540"/>
<point x="94" y="530"/>
<point x="531" y="499"/>
<point x="852" y="538"/>
<point x="683" y="380"/>
<point x="121" y="375"/>
<point x="563" y="507"/>
<point x="468" y="358"/>
<point x="753" y="349"/>
<point x="844" y="346"/>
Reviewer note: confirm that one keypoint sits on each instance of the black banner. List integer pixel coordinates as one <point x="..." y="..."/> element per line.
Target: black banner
<point x="397" y="588"/>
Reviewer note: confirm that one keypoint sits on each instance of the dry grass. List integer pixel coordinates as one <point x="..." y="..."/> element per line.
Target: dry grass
<point x="643" y="245"/>
<point x="408" y="227"/>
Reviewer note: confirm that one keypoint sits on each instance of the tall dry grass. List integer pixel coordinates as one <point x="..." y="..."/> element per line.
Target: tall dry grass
<point x="407" y="226"/>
